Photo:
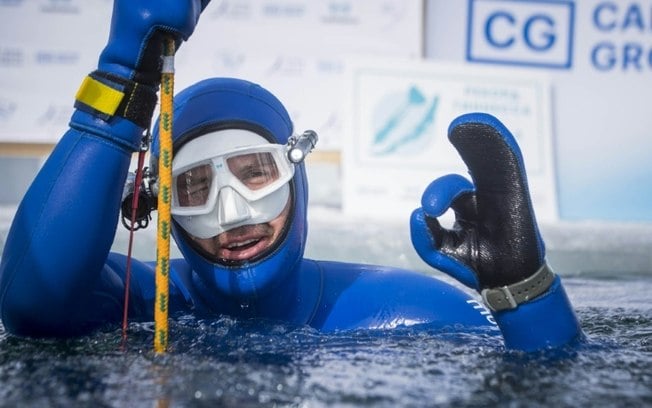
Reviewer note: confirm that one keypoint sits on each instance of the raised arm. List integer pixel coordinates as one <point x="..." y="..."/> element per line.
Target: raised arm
<point x="65" y="225"/>
<point x="495" y="246"/>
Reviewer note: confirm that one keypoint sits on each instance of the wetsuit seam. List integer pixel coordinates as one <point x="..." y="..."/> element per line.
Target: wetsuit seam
<point x="315" y="308"/>
<point x="106" y="139"/>
<point x="84" y="133"/>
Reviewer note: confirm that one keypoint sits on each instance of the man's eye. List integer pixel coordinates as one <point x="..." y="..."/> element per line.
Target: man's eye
<point x="197" y="188"/>
<point x="258" y="177"/>
<point x="254" y="174"/>
<point x="197" y="181"/>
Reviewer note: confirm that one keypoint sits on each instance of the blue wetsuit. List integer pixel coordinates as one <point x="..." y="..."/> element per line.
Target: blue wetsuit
<point x="57" y="277"/>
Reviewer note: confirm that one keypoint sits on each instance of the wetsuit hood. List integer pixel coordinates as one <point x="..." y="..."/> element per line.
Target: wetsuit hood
<point x="223" y="103"/>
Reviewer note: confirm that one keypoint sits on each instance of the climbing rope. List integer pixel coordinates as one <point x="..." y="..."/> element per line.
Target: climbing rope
<point x="164" y="197"/>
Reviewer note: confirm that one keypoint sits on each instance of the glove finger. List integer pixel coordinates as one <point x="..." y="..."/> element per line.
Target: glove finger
<point x="436" y="244"/>
<point x="427" y="237"/>
<point x="490" y="153"/>
<point x="502" y="196"/>
<point x="441" y="194"/>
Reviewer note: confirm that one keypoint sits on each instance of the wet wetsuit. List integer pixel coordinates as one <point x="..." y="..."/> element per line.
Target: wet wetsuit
<point x="57" y="277"/>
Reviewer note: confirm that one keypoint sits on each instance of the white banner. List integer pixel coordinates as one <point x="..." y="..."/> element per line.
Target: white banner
<point x="400" y="112"/>
<point x="296" y="49"/>
<point x="598" y="54"/>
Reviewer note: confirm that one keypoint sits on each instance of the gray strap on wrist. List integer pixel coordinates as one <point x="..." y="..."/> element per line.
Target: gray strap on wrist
<point x="510" y="296"/>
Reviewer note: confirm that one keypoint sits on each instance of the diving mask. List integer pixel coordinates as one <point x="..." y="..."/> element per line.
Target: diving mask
<point x="229" y="178"/>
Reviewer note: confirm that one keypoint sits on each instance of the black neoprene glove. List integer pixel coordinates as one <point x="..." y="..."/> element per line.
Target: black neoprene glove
<point x="495" y="245"/>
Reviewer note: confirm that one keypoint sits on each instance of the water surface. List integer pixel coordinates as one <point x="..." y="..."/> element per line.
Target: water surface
<point x="225" y="362"/>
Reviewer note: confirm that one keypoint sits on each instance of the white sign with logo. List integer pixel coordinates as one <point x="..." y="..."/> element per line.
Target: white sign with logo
<point x="598" y="54"/>
<point x="398" y="122"/>
<point x="517" y="35"/>
<point x="296" y="49"/>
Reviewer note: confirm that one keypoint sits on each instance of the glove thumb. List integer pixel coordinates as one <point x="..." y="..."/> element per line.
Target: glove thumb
<point x="429" y="238"/>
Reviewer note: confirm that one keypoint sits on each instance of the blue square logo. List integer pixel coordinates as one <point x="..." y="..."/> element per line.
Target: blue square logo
<point x="520" y="32"/>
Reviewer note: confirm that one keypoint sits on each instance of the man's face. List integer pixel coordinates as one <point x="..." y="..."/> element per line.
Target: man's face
<point x="231" y="193"/>
<point x="247" y="241"/>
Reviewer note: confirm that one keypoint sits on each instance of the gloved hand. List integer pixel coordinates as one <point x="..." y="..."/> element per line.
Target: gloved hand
<point x="129" y="69"/>
<point x="495" y="241"/>
<point x="137" y="33"/>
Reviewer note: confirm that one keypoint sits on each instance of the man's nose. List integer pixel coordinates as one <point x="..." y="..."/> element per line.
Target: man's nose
<point x="233" y="208"/>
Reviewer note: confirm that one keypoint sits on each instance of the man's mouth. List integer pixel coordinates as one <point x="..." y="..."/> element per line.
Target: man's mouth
<point x="237" y="246"/>
<point x="244" y="242"/>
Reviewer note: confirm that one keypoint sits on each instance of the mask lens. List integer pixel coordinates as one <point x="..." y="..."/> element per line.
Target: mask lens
<point x="194" y="185"/>
<point x="254" y="170"/>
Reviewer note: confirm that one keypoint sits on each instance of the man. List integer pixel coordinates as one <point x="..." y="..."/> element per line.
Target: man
<point x="239" y="210"/>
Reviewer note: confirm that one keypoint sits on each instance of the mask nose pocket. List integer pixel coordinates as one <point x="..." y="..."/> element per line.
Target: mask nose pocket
<point x="233" y="208"/>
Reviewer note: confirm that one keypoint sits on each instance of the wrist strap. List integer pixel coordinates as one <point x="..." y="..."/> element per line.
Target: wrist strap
<point x="107" y="95"/>
<point x="510" y="296"/>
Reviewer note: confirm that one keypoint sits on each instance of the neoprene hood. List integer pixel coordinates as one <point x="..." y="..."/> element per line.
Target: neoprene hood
<point x="223" y="103"/>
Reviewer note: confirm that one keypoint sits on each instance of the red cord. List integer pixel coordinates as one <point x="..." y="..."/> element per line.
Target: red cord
<point x="134" y="207"/>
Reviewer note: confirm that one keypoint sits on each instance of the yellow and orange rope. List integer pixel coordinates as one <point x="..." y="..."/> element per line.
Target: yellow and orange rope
<point x="164" y="197"/>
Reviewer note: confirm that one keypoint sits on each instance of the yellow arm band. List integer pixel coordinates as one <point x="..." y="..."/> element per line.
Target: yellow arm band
<point x="107" y="95"/>
<point x="99" y="96"/>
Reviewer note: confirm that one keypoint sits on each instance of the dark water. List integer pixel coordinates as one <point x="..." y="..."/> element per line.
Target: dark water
<point x="251" y="363"/>
<point x="607" y="271"/>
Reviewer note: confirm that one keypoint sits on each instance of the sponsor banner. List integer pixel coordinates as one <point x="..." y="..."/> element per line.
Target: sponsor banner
<point x="523" y="33"/>
<point x="598" y="54"/>
<point x="399" y="117"/>
<point x="297" y="49"/>
<point x="46" y="49"/>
